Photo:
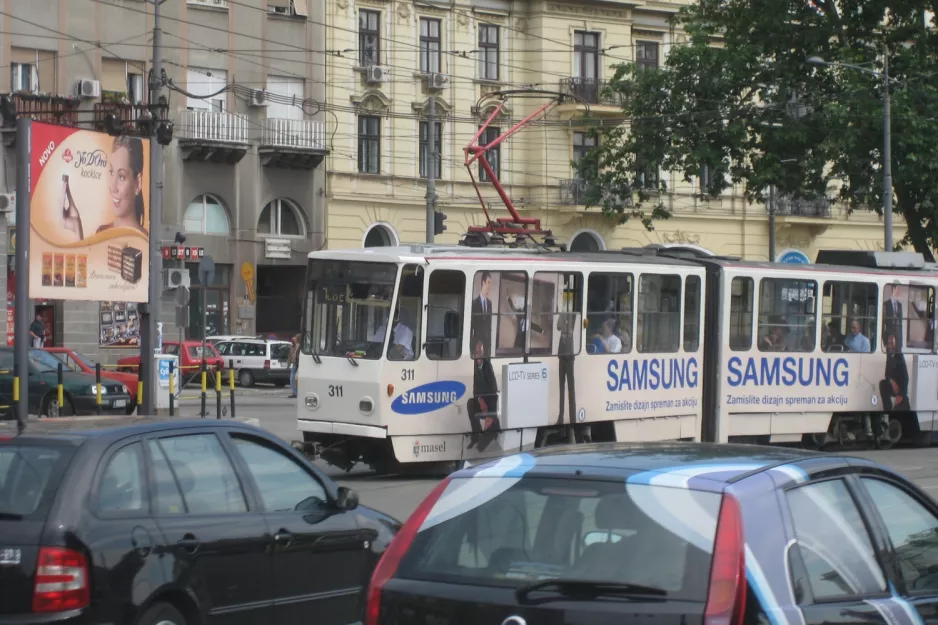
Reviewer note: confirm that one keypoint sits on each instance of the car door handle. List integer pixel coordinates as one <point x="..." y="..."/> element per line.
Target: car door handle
<point x="190" y="543"/>
<point x="283" y="537"/>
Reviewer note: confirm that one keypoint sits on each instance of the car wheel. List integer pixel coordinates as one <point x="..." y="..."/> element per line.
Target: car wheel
<point x="162" y="614"/>
<point x="246" y="378"/>
<point x="49" y="407"/>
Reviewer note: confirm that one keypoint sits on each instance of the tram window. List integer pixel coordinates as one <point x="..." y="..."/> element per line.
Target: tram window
<point x="445" y="304"/>
<point x="499" y="298"/>
<point x="741" y="290"/>
<point x="908" y="314"/>
<point x="848" y="317"/>
<point x="692" y="314"/>
<point x="347" y="303"/>
<point x="659" y="314"/>
<point x="557" y="308"/>
<point x="404" y="336"/>
<point x="787" y="315"/>
<point x="609" y="312"/>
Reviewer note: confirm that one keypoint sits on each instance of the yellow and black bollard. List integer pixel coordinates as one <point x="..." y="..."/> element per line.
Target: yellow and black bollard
<point x="97" y="387"/>
<point x="203" y="389"/>
<point x="16" y="394"/>
<point x="231" y="389"/>
<point x="218" y="372"/>
<point x="139" y="396"/>
<point x="60" y="388"/>
<point x="172" y="388"/>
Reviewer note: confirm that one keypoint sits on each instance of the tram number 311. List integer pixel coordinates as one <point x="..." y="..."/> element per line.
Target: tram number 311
<point x="407" y="375"/>
<point x="335" y="390"/>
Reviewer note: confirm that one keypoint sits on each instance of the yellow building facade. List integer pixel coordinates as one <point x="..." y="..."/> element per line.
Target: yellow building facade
<point x="381" y="59"/>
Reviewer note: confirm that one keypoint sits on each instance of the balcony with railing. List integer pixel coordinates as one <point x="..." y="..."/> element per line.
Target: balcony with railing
<point x="294" y="143"/>
<point x="591" y="90"/>
<point x="40" y="108"/>
<point x="802" y="207"/>
<point x="215" y="136"/>
<point x="131" y="116"/>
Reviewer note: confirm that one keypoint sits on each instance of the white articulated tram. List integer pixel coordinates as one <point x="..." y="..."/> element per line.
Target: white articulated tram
<point x="408" y="352"/>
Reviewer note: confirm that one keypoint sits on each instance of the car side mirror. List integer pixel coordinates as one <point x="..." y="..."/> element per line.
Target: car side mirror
<point x="346" y="498"/>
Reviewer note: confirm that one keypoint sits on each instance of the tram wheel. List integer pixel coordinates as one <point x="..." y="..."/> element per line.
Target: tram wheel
<point x="814" y="441"/>
<point x="888" y="434"/>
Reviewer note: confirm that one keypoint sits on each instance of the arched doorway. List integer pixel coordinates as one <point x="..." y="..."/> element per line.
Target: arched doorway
<point x="380" y="235"/>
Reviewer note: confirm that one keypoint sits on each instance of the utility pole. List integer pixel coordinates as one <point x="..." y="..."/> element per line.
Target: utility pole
<point x="431" y="164"/>
<point x="21" y="312"/>
<point x="887" y="154"/>
<point x="148" y="338"/>
<point x="772" y="223"/>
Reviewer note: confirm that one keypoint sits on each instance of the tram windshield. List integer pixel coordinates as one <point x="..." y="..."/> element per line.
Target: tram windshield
<point x="348" y="304"/>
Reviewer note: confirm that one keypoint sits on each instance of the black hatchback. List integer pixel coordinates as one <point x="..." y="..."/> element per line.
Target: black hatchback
<point x="664" y="534"/>
<point x="148" y="521"/>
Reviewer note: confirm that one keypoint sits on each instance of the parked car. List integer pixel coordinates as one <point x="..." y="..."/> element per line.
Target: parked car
<point x="257" y="360"/>
<point x="665" y="533"/>
<point x="79" y="389"/>
<point x="215" y="340"/>
<point x="169" y="522"/>
<point x="190" y="358"/>
<point x="82" y="364"/>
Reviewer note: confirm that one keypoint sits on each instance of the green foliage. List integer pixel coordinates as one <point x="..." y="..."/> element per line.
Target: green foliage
<point x="739" y="101"/>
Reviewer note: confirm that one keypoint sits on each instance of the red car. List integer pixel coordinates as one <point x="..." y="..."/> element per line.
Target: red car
<point x="78" y="362"/>
<point x="189" y="358"/>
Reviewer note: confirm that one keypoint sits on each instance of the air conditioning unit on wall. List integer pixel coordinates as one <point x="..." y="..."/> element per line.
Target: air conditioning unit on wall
<point x="375" y="75"/>
<point x="7" y="202"/>
<point x="88" y="89"/>
<point x="175" y="278"/>
<point x="437" y="81"/>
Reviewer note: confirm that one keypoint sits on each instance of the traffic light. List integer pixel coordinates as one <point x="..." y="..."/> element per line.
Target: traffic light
<point x="438" y="222"/>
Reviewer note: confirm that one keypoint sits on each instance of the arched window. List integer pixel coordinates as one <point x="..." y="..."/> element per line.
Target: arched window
<point x="380" y="235"/>
<point x="281" y="217"/>
<point x="206" y="215"/>
<point x="587" y="241"/>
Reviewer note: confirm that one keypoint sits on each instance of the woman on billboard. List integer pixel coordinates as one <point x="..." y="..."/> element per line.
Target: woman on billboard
<point x="125" y="168"/>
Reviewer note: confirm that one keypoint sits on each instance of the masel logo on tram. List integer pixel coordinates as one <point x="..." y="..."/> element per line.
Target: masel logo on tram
<point x="436" y="353"/>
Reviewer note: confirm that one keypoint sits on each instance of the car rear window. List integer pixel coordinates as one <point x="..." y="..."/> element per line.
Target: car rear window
<point x="29" y="476"/>
<point x="505" y="531"/>
<point x="280" y="351"/>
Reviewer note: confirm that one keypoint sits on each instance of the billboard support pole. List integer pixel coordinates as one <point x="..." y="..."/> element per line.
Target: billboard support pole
<point x="21" y="300"/>
<point x="155" y="299"/>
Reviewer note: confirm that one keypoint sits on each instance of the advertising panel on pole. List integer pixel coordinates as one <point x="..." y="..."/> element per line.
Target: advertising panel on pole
<point x="89" y="212"/>
<point x="120" y="325"/>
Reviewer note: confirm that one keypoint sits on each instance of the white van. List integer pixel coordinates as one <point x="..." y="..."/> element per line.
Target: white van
<point x="257" y="360"/>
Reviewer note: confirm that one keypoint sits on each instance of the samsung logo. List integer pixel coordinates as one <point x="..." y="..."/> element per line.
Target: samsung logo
<point x="428" y="397"/>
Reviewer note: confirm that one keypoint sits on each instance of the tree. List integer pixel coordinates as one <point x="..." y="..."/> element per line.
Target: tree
<point x="738" y="103"/>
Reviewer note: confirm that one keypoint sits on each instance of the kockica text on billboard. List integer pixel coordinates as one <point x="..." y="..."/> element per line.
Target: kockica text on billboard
<point x="89" y="215"/>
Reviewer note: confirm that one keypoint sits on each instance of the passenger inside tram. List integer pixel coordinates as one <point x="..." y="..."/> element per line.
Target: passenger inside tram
<point x="401" y="345"/>
<point x="774" y="339"/>
<point x="857" y="341"/>
<point x="605" y="341"/>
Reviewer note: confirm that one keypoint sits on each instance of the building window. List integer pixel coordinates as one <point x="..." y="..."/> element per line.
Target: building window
<point x="586" y="55"/>
<point x="437" y="149"/>
<point x="369" y="144"/>
<point x="787" y="315"/>
<point x="646" y="176"/>
<point x="369" y="37"/>
<point x="429" y="45"/>
<point x="136" y="88"/>
<point x="24" y="77"/>
<point x="206" y="215"/>
<point x="583" y="142"/>
<point x="493" y="156"/>
<point x="586" y="241"/>
<point x="217" y="299"/>
<point x="281" y="217"/>
<point x="488" y="52"/>
<point x="646" y="54"/>
<point x="380" y="235"/>
<point x="208" y="81"/>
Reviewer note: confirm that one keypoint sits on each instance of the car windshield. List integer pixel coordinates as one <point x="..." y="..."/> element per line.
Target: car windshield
<point x="29" y="475"/>
<point x="515" y="531"/>
<point x="43" y="360"/>
<point x="347" y="307"/>
<point x="83" y="360"/>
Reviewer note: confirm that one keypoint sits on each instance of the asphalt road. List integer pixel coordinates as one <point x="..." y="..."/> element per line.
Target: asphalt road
<point x="398" y="496"/>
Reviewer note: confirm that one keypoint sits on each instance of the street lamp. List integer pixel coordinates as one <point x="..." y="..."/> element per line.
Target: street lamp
<point x="887" y="137"/>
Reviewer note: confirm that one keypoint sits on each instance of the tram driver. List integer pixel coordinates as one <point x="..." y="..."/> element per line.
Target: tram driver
<point x="401" y="345"/>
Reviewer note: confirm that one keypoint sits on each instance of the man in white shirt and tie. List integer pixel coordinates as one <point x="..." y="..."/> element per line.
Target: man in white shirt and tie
<point x="892" y="315"/>
<point x="400" y="347"/>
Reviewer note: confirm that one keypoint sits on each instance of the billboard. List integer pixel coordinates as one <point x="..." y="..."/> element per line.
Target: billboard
<point x="89" y="213"/>
<point x="120" y="325"/>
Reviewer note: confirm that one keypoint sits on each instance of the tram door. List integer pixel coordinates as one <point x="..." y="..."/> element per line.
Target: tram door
<point x="446" y="327"/>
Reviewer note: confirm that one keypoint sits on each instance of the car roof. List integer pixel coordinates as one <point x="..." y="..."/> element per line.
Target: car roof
<point x="722" y="463"/>
<point x="80" y="429"/>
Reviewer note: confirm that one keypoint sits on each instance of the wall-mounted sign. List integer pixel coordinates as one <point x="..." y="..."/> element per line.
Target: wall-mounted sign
<point x="277" y="248"/>
<point x="176" y="252"/>
<point x="247" y="273"/>
<point x="793" y="257"/>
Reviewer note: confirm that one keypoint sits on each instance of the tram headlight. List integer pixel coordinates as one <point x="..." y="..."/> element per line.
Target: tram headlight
<point x="366" y="405"/>
<point x="312" y="401"/>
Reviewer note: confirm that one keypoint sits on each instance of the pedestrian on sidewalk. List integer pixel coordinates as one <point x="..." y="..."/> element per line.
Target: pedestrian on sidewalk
<point x="294" y="362"/>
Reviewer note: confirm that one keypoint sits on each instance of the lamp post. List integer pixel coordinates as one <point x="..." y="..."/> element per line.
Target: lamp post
<point x="887" y="137"/>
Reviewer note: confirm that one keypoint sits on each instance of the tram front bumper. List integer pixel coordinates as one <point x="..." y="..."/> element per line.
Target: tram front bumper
<point x="342" y="429"/>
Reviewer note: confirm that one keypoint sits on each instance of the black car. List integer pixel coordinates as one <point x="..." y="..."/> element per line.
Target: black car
<point x="146" y="521"/>
<point x="665" y="534"/>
